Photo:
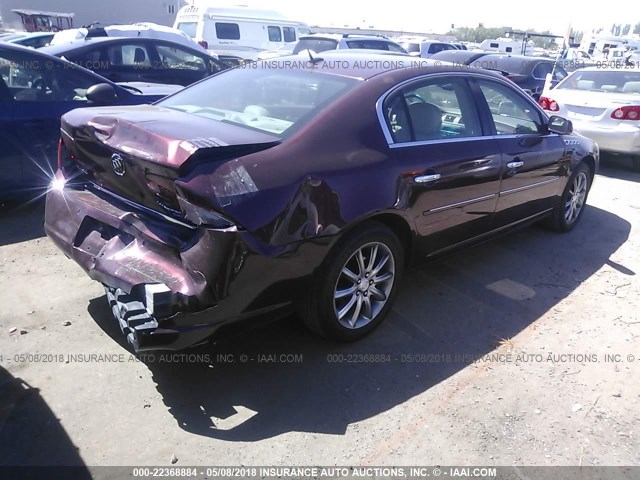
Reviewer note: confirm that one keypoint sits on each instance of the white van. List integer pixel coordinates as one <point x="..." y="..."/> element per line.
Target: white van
<point x="239" y="31"/>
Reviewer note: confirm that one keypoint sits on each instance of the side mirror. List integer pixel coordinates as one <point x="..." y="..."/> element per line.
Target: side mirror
<point x="559" y="125"/>
<point x="102" y="93"/>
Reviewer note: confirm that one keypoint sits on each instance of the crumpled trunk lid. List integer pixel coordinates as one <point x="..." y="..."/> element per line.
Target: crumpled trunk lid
<point x="138" y="152"/>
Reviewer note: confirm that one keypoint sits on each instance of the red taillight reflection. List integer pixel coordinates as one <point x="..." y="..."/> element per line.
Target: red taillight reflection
<point x="548" y="104"/>
<point x="629" y="112"/>
<point x="59" y="154"/>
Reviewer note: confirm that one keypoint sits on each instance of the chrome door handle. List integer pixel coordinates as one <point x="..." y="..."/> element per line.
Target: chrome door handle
<point x="427" y="178"/>
<point x="513" y="165"/>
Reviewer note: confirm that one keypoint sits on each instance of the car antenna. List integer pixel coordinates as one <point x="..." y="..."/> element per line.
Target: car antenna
<point x="313" y="59"/>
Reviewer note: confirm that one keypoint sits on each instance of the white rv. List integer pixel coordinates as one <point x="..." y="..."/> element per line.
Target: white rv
<point x="506" y="45"/>
<point x="239" y="31"/>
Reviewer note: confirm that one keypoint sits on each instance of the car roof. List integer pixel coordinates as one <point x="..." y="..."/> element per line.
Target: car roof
<point x="365" y="65"/>
<point x="339" y="36"/>
<point x="80" y="44"/>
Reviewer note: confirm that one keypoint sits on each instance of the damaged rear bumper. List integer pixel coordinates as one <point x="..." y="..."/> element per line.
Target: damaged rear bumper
<point x="171" y="285"/>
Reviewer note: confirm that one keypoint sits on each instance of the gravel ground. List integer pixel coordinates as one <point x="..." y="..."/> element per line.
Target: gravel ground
<point x="524" y="350"/>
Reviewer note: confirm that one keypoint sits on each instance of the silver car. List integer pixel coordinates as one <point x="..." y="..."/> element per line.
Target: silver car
<point x="603" y="105"/>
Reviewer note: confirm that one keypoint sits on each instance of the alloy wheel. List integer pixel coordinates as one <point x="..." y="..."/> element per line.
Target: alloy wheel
<point x="364" y="285"/>
<point x="576" y="198"/>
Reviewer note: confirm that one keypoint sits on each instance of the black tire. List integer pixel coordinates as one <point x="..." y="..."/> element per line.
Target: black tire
<point x="558" y="220"/>
<point x="319" y="312"/>
<point x="636" y="162"/>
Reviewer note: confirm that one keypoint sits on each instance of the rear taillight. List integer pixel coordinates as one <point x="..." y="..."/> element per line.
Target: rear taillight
<point x="204" y="44"/>
<point x="630" y="112"/>
<point x="548" y="104"/>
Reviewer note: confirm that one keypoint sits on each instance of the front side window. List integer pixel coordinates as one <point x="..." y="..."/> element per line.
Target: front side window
<point x="542" y="70"/>
<point x="228" y="31"/>
<point x="177" y="58"/>
<point x="275" y="34"/>
<point x="511" y="113"/>
<point x="25" y="78"/>
<point x="436" y="109"/>
<point x="274" y="101"/>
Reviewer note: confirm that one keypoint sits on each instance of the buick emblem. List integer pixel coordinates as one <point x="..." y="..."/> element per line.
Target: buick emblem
<point x="118" y="165"/>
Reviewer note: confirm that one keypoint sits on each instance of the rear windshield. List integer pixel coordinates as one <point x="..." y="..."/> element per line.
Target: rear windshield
<point x="189" y="28"/>
<point x="315" y="45"/>
<point x="411" y="47"/>
<point x="275" y="101"/>
<point x="603" y="81"/>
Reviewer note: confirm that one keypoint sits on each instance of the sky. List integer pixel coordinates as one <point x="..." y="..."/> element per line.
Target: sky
<point x="424" y="16"/>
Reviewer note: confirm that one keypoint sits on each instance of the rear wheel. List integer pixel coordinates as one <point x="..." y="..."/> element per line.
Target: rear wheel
<point x="571" y="205"/>
<point x="354" y="291"/>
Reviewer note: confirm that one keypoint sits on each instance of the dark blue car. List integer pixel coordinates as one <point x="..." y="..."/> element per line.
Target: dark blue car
<point x="35" y="91"/>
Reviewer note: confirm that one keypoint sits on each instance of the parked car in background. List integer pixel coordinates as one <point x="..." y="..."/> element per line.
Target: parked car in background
<point x="141" y="30"/>
<point x="251" y="192"/>
<point x="35" y="91"/>
<point x="33" y="40"/>
<point x="603" y="105"/>
<point x="529" y="73"/>
<point x="139" y="60"/>
<point x="425" y="48"/>
<point x="573" y="58"/>
<point x="322" y="42"/>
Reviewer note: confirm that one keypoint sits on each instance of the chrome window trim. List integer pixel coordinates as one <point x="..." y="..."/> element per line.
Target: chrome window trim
<point x="426" y="76"/>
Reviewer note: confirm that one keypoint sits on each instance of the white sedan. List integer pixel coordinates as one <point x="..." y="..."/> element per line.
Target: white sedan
<point x="603" y="105"/>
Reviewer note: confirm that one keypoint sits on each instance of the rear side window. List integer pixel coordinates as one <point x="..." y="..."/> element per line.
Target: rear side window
<point x="289" y="34"/>
<point x="275" y="34"/>
<point x="228" y="31"/>
<point x="315" y="45"/>
<point x="129" y="55"/>
<point x="180" y="59"/>
<point x="368" y="44"/>
<point x="436" y="109"/>
<point x="439" y="47"/>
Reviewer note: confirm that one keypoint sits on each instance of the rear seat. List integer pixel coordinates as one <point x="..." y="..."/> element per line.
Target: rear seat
<point x="631" y="87"/>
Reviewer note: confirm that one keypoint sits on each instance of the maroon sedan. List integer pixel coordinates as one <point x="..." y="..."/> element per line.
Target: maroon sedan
<point x="302" y="186"/>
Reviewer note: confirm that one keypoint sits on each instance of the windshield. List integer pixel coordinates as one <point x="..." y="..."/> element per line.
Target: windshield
<point x="273" y="101"/>
<point x="603" y="81"/>
<point x="189" y="28"/>
<point x="315" y="45"/>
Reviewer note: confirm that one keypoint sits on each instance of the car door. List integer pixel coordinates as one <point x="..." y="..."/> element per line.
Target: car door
<point x="533" y="159"/>
<point x="451" y="170"/>
<point x="42" y="90"/>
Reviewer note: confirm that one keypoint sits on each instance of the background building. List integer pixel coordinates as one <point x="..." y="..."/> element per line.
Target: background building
<point x="89" y="11"/>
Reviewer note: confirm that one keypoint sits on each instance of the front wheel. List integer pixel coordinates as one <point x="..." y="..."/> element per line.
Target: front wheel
<point x="572" y="203"/>
<point x="354" y="291"/>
